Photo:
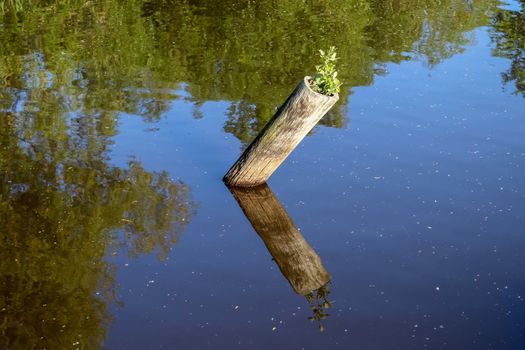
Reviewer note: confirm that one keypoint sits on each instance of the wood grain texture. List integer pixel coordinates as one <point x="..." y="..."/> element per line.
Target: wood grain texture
<point x="285" y="130"/>
<point x="298" y="262"/>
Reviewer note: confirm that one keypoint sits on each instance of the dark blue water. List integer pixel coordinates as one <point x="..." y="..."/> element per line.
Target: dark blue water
<point x="413" y="196"/>
<point x="417" y="210"/>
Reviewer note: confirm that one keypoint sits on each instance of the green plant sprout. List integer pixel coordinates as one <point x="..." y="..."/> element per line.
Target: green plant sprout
<point x="325" y="80"/>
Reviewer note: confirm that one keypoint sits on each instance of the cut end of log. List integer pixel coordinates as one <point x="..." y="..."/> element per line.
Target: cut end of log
<point x="308" y="82"/>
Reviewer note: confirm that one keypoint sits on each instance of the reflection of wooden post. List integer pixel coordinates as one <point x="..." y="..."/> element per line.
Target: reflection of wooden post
<point x="298" y="262"/>
<point x="290" y="124"/>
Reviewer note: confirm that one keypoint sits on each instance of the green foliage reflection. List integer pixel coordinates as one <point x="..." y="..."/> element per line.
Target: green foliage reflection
<point x="508" y="33"/>
<point x="62" y="210"/>
<point x="319" y="304"/>
<point x="131" y="56"/>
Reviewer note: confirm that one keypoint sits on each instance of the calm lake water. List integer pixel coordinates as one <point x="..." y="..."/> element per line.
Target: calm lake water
<point x="119" y="119"/>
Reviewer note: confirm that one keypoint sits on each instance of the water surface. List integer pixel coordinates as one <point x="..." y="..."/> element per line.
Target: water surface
<point x="120" y="118"/>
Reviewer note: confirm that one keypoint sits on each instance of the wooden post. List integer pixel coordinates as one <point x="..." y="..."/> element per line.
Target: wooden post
<point x="289" y="125"/>
<point x="298" y="262"/>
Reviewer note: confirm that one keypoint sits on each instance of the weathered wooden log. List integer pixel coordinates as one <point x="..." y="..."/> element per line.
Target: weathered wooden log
<point x="298" y="262"/>
<point x="289" y="125"/>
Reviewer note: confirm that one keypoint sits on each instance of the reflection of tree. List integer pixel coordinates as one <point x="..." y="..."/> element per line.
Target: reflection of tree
<point x="86" y="55"/>
<point x="128" y="56"/>
<point x="62" y="209"/>
<point x="245" y="120"/>
<point x="431" y="30"/>
<point x="254" y="53"/>
<point x="508" y="32"/>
